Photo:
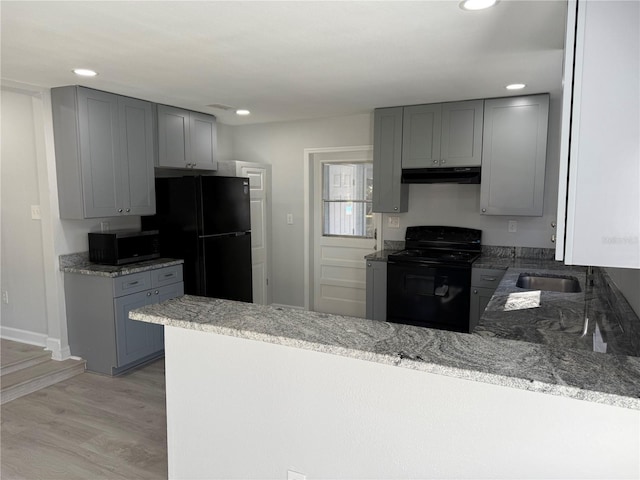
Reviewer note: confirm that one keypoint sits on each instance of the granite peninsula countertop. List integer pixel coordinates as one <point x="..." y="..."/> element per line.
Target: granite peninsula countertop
<point x="606" y="379"/>
<point x="87" y="268"/>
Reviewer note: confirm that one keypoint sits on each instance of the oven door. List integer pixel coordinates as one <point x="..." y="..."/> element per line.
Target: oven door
<point x="434" y="296"/>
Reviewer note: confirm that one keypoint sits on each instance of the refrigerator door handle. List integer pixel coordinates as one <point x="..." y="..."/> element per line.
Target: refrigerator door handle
<point x="220" y="235"/>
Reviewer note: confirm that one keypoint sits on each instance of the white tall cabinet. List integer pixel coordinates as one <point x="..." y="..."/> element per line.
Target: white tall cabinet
<point x="601" y="136"/>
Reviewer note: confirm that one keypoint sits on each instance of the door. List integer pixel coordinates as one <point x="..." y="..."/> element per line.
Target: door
<point x="173" y="137"/>
<point x="259" y="182"/>
<point x="227" y="267"/>
<point x="225" y="205"/>
<point x="421" y="127"/>
<point x="134" y="339"/>
<point x="99" y="153"/>
<point x="202" y="137"/>
<point x="136" y="145"/>
<point x="345" y="230"/>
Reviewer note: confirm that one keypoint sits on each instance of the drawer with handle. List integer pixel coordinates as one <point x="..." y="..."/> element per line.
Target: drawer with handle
<point x="166" y="276"/>
<point x="486" y="277"/>
<point x="133" y="283"/>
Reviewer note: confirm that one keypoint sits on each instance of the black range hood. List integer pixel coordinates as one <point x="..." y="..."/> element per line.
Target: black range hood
<point x="441" y="175"/>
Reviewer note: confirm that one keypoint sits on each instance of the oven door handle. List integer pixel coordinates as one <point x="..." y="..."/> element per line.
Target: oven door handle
<point x="441" y="291"/>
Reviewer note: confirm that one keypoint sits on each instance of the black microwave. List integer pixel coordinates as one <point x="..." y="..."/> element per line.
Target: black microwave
<point x="123" y="246"/>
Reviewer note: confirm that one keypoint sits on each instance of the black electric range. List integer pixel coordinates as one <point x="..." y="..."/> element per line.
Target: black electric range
<point x="429" y="283"/>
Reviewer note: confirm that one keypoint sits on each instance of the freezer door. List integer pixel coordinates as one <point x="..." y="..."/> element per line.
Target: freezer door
<point x="225" y="205"/>
<point x="227" y="267"/>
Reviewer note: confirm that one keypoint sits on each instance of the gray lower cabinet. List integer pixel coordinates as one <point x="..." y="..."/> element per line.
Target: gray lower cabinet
<point x="104" y="153"/>
<point x="484" y="282"/>
<point x="514" y="153"/>
<point x="442" y="135"/>
<point x="98" y="323"/>
<point x="389" y="194"/>
<point x="376" y="290"/>
<point x="186" y="139"/>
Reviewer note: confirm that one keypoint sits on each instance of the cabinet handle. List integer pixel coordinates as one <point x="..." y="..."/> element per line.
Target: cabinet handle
<point x="435" y="162"/>
<point x="395" y="208"/>
<point x="148" y="294"/>
<point x="368" y="264"/>
<point x="193" y="165"/>
<point x="131" y="284"/>
<point x="490" y="279"/>
<point x="188" y="165"/>
<point x="475" y="291"/>
<point x="168" y="275"/>
<point x="156" y="292"/>
<point x="484" y="210"/>
<point x="119" y="210"/>
<point x="128" y="210"/>
<point x="443" y="162"/>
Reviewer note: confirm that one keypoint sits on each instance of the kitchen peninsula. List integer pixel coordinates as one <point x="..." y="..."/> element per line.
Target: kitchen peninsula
<point x="253" y="391"/>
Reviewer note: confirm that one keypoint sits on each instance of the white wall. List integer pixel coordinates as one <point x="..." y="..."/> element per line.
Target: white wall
<point x="22" y="260"/>
<point x="242" y="409"/>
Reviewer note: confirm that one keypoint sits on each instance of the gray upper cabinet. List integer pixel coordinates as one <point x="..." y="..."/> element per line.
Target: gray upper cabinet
<point x="104" y="153"/>
<point x="186" y="139"/>
<point x="421" y="136"/>
<point x="389" y="194"/>
<point x="442" y="135"/>
<point x="514" y="155"/>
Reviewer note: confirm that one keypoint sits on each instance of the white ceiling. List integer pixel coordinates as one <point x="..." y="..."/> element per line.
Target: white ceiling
<point x="286" y="60"/>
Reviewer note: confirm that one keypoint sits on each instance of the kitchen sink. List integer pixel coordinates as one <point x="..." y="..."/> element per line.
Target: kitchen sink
<point x="549" y="282"/>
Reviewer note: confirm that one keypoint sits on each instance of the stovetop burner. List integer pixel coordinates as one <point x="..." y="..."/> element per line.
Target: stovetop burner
<point x="440" y="244"/>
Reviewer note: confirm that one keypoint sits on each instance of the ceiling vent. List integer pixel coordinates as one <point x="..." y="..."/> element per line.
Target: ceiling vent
<point x="220" y="106"/>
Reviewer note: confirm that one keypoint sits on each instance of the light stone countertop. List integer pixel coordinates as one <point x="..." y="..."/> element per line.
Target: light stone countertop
<point x="120" y="270"/>
<point x="606" y="379"/>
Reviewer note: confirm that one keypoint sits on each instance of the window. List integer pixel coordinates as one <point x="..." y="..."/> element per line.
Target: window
<point x="347" y="190"/>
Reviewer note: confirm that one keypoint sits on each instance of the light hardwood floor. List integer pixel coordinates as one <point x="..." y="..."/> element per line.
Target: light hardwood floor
<point x="88" y="427"/>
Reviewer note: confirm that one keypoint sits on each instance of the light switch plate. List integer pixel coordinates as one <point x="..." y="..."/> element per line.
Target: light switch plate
<point x="393" y="222"/>
<point x="513" y="226"/>
<point x="291" y="475"/>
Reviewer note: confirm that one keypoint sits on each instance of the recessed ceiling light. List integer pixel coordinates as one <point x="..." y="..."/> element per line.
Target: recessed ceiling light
<point x="242" y="112"/>
<point x="515" y="86"/>
<point x="84" y="72"/>
<point x="477" y="4"/>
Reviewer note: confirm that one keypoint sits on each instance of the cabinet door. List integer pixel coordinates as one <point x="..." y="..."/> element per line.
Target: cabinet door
<point x="160" y="295"/>
<point x="173" y="137"/>
<point x="603" y="206"/>
<point x="514" y="153"/>
<point x="99" y="153"/>
<point x="421" y="129"/>
<point x="389" y="194"/>
<point x="376" y="290"/>
<point x="136" y="147"/>
<point x="203" y="139"/>
<point x="134" y="339"/>
<point x="461" y="139"/>
<point x="479" y="300"/>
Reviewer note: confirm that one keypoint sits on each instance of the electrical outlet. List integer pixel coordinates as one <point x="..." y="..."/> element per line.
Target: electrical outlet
<point x="289" y="218"/>
<point x="393" y="222"/>
<point x="35" y="212"/>
<point x="513" y="226"/>
<point x="5" y="297"/>
<point x="291" y="475"/>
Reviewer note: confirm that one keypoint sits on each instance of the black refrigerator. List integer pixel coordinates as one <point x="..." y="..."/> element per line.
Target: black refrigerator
<point x="206" y="221"/>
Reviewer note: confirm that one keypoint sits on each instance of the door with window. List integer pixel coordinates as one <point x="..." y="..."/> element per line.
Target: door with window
<point x="345" y="231"/>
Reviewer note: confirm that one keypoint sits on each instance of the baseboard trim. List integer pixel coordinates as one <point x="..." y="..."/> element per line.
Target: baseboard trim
<point x="57" y="352"/>
<point x="280" y="305"/>
<point x="23" y="336"/>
